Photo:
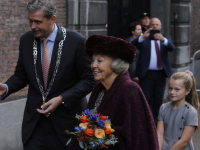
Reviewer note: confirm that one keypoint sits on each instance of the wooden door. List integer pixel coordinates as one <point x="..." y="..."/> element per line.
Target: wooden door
<point x="122" y="12"/>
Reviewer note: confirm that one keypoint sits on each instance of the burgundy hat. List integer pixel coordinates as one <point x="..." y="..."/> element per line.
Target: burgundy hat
<point x="111" y="46"/>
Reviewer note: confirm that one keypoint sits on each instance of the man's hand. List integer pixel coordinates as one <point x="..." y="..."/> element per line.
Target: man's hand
<point x="159" y="36"/>
<point x="50" y="106"/>
<point x="146" y="33"/>
<point x="3" y="89"/>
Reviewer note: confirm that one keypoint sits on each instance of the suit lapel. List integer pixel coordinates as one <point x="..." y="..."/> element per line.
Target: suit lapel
<point x="59" y="37"/>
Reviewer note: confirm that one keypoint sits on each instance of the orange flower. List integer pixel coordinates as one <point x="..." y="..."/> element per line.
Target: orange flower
<point x="103" y="118"/>
<point x="83" y="119"/>
<point x="99" y="133"/>
<point x="107" y="124"/>
<point x="108" y="131"/>
<point x="89" y="132"/>
<point x="83" y="125"/>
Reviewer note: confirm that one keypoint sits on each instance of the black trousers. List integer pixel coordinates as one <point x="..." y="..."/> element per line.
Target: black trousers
<point x="153" y="86"/>
<point x="44" y="137"/>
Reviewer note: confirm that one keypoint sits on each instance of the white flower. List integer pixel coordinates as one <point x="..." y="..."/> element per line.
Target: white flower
<point x="83" y="126"/>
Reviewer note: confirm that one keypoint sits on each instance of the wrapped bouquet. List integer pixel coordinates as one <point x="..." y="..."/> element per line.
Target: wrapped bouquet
<point x="94" y="131"/>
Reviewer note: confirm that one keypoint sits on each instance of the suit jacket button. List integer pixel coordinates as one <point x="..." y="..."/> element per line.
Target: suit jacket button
<point x="182" y="117"/>
<point x="180" y="128"/>
<point x="179" y="138"/>
<point x="188" y="107"/>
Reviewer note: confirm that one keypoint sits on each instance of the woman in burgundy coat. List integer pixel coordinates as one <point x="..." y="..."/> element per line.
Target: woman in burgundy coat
<point x="117" y="96"/>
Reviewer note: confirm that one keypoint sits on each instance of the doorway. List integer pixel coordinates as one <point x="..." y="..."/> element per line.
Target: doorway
<point x="122" y="12"/>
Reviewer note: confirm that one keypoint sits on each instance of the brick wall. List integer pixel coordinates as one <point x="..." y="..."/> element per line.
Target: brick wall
<point x="195" y="27"/>
<point x="13" y="24"/>
<point x="61" y="6"/>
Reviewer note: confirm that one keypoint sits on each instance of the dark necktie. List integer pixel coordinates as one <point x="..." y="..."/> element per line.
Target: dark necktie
<point x="45" y="62"/>
<point x="159" y="59"/>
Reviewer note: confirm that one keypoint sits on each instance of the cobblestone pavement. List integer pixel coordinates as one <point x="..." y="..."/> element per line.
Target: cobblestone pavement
<point x="196" y="140"/>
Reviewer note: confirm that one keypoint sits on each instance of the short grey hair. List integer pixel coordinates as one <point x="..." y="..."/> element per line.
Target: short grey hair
<point x="119" y="66"/>
<point x="49" y="9"/>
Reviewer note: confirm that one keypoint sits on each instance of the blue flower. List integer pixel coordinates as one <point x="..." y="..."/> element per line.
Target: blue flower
<point x="76" y="128"/>
<point x="109" y="121"/>
<point x="87" y="112"/>
<point x="91" y="143"/>
<point x="93" y="117"/>
<point x="81" y="129"/>
<point x="101" y="123"/>
<point x="113" y="137"/>
<point x="100" y="141"/>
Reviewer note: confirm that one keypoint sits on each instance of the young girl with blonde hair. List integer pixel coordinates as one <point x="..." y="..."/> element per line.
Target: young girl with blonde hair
<point x="178" y="119"/>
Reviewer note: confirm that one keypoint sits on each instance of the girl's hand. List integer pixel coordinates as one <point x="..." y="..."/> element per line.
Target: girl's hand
<point x="160" y="133"/>
<point x="185" y="138"/>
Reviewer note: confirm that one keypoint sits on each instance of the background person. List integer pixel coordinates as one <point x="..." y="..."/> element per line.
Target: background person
<point x="135" y="29"/>
<point x="178" y="119"/>
<point x="65" y="75"/>
<point x="117" y="96"/>
<point x="153" y="66"/>
<point x="145" y="21"/>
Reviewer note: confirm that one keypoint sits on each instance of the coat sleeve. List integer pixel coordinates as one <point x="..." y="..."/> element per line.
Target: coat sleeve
<point x="136" y="43"/>
<point x="170" y="46"/>
<point x="138" y="130"/>
<point x="19" y="79"/>
<point x="86" y="82"/>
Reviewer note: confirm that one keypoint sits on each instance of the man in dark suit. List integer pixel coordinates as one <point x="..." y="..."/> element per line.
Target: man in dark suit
<point x="59" y="77"/>
<point x="153" y="66"/>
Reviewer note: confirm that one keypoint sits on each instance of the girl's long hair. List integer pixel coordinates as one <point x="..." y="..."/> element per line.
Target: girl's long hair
<point x="189" y="83"/>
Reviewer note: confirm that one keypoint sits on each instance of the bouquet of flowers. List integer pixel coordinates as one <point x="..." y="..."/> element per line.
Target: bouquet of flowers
<point x="94" y="131"/>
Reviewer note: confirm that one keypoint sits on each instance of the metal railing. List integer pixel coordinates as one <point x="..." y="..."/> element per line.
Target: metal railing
<point x="193" y="64"/>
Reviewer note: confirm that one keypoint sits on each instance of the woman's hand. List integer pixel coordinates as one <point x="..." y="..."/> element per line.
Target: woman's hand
<point x="136" y="79"/>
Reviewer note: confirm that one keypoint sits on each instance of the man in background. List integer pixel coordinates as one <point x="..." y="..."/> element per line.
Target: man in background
<point x="153" y="66"/>
<point x="144" y="20"/>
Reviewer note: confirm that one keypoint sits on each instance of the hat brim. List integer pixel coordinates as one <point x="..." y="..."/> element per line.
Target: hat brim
<point x="111" y="46"/>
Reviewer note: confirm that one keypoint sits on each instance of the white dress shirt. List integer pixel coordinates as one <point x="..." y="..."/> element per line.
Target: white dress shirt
<point x="153" y="59"/>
